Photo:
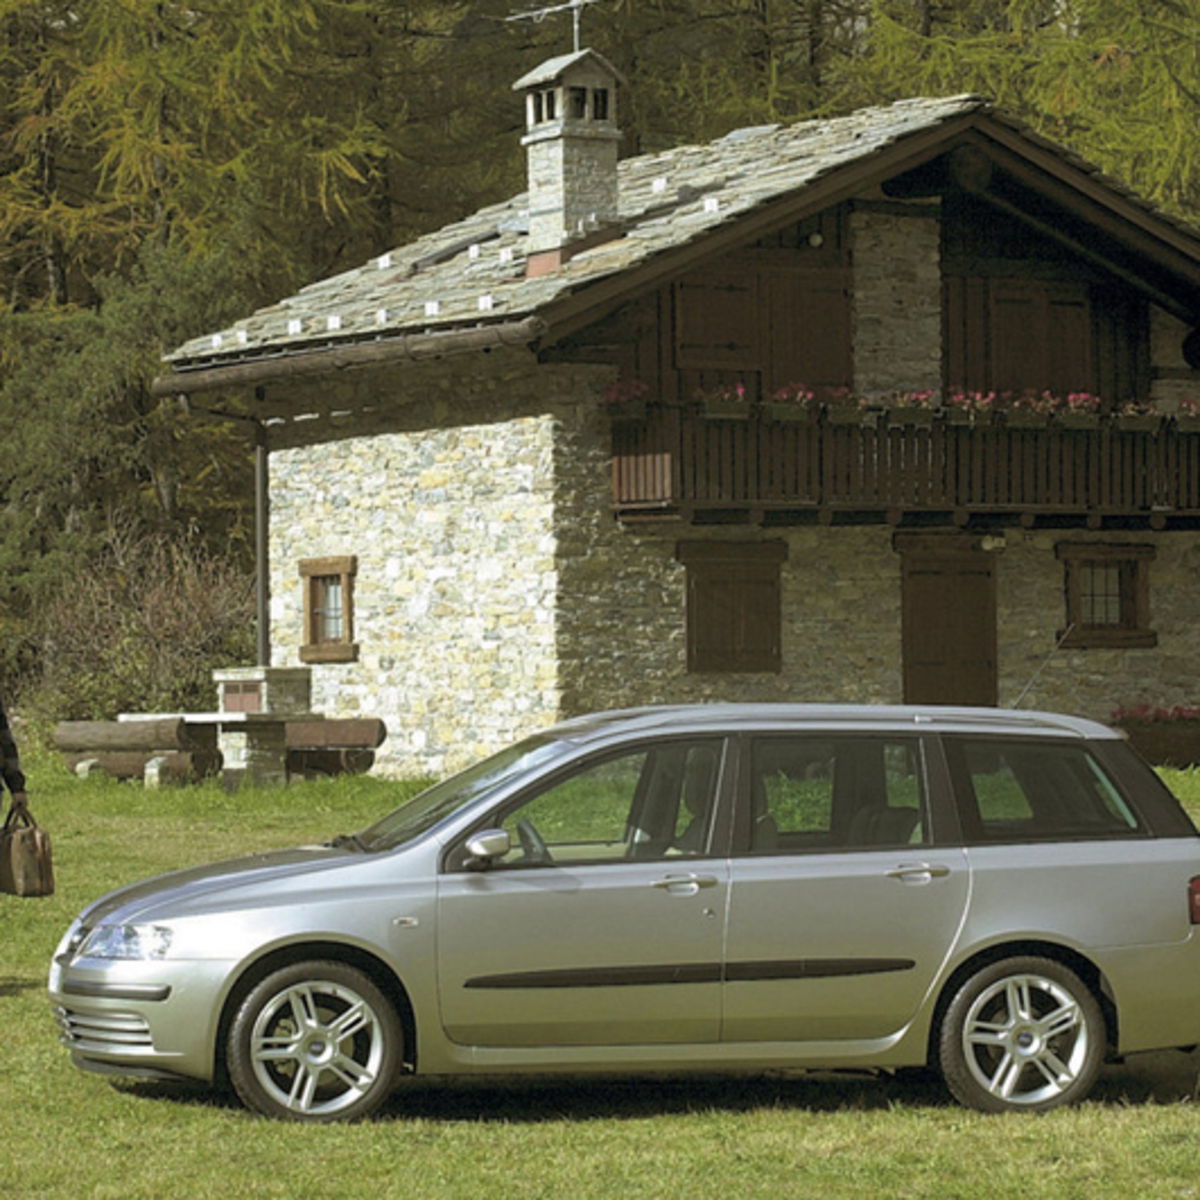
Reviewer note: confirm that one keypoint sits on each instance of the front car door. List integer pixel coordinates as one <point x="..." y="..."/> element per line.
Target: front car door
<point x="842" y="911"/>
<point x="603" y="924"/>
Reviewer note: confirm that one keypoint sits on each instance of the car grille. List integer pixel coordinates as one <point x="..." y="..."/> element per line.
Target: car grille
<point x="106" y="1030"/>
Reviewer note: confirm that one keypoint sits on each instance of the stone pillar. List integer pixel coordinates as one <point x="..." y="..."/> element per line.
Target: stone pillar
<point x="258" y="702"/>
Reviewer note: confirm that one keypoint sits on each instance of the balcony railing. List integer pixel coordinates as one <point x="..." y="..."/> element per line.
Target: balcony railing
<point x="679" y="462"/>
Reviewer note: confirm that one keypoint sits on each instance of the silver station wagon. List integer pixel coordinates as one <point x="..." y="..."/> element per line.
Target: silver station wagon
<point x="1009" y="897"/>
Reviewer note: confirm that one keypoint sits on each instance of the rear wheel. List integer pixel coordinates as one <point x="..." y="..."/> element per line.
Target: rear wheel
<point x="1023" y="1034"/>
<point x="315" y="1041"/>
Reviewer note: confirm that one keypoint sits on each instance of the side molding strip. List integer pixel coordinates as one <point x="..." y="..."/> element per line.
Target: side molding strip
<point x="671" y="973"/>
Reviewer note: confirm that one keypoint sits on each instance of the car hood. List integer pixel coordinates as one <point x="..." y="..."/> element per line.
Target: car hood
<point x="177" y="891"/>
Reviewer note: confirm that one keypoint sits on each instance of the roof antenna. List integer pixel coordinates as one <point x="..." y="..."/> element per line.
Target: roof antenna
<point x="1062" y="637"/>
<point x="540" y="14"/>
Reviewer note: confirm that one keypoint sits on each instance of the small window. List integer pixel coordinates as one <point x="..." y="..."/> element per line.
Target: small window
<point x="577" y="101"/>
<point x="733" y="605"/>
<point x="600" y="104"/>
<point x="818" y="793"/>
<point x="550" y="104"/>
<point x="1107" y="589"/>
<point x="328" y="609"/>
<point x="1035" y="791"/>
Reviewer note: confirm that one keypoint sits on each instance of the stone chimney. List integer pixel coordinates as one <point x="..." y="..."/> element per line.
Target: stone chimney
<point x="571" y="147"/>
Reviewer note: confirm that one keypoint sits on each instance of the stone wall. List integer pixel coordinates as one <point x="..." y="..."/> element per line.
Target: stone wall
<point x="444" y="490"/>
<point x="897" y="302"/>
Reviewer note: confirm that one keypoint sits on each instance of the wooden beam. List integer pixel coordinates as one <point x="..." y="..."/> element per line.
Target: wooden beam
<point x="1097" y="204"/>
<point x="1047" y="229"/>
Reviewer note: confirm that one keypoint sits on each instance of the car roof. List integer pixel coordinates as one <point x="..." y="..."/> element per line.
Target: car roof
<point x="725" y="717"/>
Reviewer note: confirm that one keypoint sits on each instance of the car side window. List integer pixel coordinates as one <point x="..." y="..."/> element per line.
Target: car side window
<point x="1014" y="791"/>
<point x="834" y="793"/>
<point x="653" y="802"/>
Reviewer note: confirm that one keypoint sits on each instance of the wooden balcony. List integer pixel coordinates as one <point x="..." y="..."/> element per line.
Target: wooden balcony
<point x="676" y="463"/>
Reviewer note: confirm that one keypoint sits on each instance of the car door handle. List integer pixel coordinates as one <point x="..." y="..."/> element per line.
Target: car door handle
<point x="690" y="881"/>
<point x="915" y="871"/>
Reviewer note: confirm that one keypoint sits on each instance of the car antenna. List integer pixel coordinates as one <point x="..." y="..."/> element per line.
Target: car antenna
<point x="1062" y="637"/>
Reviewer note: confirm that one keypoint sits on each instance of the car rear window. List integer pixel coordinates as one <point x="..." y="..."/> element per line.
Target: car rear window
<point x="1015" y="791"/>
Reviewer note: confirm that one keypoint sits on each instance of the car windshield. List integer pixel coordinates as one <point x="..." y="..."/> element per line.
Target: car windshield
<point x="434" y="804"/>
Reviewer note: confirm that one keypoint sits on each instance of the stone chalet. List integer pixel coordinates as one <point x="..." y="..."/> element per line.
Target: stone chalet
<point x="806" y="413"/>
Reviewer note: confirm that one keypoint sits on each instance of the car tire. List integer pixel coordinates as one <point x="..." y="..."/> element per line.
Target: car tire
<point x="1023" y="1034"/>
<point x="315" y="1041"/>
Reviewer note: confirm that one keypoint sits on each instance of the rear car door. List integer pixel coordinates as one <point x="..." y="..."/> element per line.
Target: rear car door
<point x="842" y="908"/>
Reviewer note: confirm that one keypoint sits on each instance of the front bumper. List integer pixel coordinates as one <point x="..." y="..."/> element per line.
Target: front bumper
<point x="152" y="1019"/>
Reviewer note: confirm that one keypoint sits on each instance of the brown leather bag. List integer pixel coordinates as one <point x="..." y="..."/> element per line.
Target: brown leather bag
<point x="26" y="868"/>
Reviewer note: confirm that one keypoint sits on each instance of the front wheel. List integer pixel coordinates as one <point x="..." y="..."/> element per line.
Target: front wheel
<point x="315" y="1041"/>
<point x="1023" y="1034"/>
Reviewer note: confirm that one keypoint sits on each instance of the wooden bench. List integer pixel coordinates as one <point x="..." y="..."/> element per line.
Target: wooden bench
<point x="334" y="746"/>
<point x="177" y="749"/>
<point x="124" y="749"/>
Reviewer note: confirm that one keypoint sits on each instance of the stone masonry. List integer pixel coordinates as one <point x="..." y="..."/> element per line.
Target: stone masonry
<point x="897" y="302"/>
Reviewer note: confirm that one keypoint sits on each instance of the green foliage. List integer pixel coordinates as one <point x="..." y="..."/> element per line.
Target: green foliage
<point x="1118" y="81"/>
<point x="85" y="440"/>
<point x="142" y="628"/>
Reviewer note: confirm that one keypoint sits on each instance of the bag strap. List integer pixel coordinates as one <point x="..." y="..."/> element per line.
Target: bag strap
<point x="18" y="817"/>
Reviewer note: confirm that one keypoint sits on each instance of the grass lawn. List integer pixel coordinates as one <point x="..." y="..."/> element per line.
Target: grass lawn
<point x="64" y="1133"/>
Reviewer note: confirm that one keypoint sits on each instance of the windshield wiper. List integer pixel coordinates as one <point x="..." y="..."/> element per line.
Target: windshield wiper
<point x="348" y="841"/>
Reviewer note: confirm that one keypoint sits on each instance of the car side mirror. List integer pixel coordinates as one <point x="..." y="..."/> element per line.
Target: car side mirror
<point x="485" y="847"/>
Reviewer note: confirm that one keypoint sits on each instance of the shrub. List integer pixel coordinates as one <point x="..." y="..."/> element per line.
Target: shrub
<point x="141" y="629"/>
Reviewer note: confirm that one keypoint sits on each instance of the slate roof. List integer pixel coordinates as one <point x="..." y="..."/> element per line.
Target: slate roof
<point x="472" y="273"/>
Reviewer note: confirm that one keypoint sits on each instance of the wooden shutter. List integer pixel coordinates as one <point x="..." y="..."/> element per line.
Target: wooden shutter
<point x="808" y="328"/>
<point x="733" y="605"/>
<point x="1015" y="335"/>
<point x="1069" y="354"/>
<point x="717" y="321"/>
<point x="948" y="625"/>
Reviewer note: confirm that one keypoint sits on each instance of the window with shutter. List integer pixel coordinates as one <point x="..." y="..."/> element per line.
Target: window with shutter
<point x="734" y="607"/>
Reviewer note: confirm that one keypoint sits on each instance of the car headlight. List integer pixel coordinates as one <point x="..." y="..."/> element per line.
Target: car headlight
<point x="127" y="941"/>
<point x="71" y="940"/>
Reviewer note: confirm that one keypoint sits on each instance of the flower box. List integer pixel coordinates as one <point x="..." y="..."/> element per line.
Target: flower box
<point x="1138" y="422"/>
<point x="851" y="414"/>
<point x="1078" y="420"/>
<point x="714" y="409"/>
<point x="1164" y="743"/>
<point x="1016" y="418"/>
<point x="905" y="414"/>
<point x="781" y="410"/>
<point x="962" y="416"/>
<point x="1188" y="424"/>
<point x="627" y="410"/>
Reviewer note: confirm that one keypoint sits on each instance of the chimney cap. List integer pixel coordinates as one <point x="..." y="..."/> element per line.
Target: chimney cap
<point x="554" y="68"/>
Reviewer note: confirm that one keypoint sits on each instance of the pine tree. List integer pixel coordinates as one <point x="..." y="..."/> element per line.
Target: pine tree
<point x="1116" y="80"/>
